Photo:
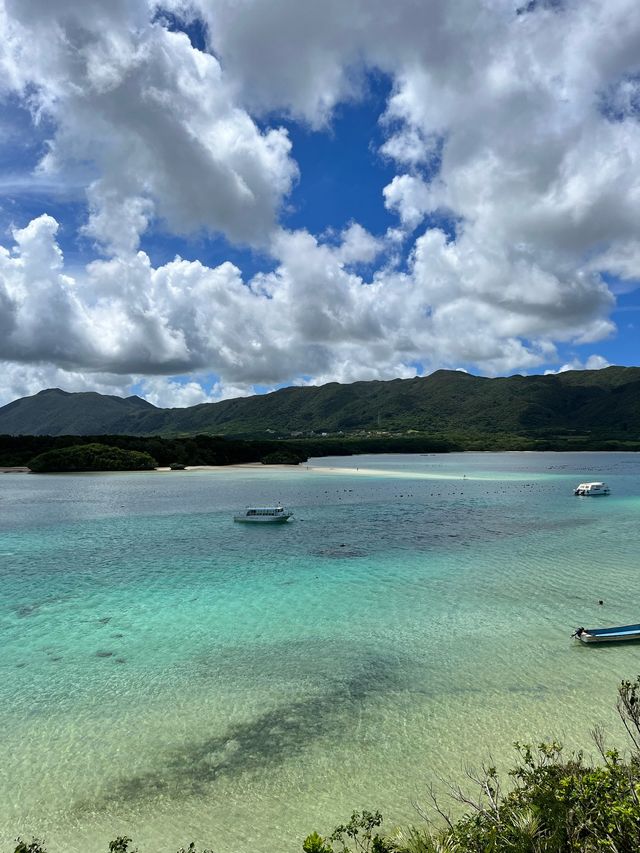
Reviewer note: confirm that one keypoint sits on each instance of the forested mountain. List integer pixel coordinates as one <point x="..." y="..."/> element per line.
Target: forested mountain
<point x="602" y="402"/>
<point x="56" y="412"/>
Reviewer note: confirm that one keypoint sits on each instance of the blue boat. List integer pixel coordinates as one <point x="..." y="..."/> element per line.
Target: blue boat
<point x="621" y="633"/>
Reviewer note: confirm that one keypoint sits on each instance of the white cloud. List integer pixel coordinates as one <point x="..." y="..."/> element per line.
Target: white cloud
<point x="300" y="57"/>
<point x="528" y="157"/>
<point x="411" y="148"/>
<point x="594" y="362"/>
<point x="358" y="245"/>
<point x="116" y="222"/>
<point x="410" y="197"/>
<point x="171" y="393"/>
<point x="154" y="116"/>
<point x="23" y="380"/>
<point x="622" y="260"/>
<point x="532" y="163"/>
<point x="311" y="316"/>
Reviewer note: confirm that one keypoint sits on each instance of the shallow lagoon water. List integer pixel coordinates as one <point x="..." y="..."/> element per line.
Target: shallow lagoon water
<point x="170" y="675"/>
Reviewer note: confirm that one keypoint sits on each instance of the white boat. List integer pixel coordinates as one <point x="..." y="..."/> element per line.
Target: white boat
<point x="264" y="515"/>
<point x="591" y="489"/>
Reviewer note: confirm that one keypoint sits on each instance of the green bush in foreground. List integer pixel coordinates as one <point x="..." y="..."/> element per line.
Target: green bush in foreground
<point x="92" y="457"/>
<point x="553" y="804"/>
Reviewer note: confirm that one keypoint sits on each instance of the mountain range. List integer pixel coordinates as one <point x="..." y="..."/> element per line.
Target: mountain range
<point x="589" y="402"/>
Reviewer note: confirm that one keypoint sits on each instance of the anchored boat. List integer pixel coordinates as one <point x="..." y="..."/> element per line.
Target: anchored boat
<point x="591" y="489"/>
<point x="264" y="515"/>
<point x="621" y="633"/>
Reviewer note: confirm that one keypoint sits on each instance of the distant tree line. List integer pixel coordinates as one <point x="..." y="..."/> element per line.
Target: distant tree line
<point x="192" y="450"/>
<point x="20" y="450"/>
<point x="213" y="450"/>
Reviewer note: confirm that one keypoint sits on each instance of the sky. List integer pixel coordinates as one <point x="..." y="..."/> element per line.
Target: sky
<point x="204" y="199"/>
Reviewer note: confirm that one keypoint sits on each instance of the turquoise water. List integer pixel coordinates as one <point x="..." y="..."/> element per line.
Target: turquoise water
<point x="170" y="675"/>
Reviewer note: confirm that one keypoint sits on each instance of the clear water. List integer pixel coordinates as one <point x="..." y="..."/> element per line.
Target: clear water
<point x="170" y="675"/>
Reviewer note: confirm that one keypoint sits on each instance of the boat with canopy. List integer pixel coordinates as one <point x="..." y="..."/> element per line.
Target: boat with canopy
<point x="264" y="515"/>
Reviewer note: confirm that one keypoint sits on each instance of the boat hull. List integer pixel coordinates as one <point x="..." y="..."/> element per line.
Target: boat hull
<point x="621" y="634"/>
<point x="282" y="519"/>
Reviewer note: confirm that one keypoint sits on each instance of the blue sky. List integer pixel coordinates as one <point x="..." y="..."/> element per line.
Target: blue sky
<point x="207" y="200"/>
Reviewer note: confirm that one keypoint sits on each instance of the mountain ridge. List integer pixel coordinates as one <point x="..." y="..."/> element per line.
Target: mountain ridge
<point x="606" y="400"/>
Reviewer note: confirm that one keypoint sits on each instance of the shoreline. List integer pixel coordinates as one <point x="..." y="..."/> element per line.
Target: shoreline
<point x="164" y="469"/>
<point x="303" y="466"/>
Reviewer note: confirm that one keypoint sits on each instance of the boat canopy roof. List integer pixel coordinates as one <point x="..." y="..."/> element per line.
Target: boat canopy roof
<point x="278" y="508"/>
<point x="620" y="630"/>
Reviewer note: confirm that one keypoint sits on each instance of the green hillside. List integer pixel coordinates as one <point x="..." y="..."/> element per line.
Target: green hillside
<point x="56" y="412"/>
<point x="603" y="403"/>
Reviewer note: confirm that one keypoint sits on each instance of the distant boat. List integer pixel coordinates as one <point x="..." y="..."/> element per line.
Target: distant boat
<point x="607" y="635"/>
<point x="264" y="515"/>
<point x="591" y="489"/>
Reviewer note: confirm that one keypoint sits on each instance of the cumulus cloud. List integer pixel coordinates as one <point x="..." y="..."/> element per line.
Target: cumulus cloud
<point x="522" y="128"/>
<point x="623" y="261"/>
<point x="171" y="393"/>
<point x="536" y="113"/>
<point x="299" y="57"/>
<point x="358" y="245"/>
<point x="594" y="362"/>
<point x="411" y="148"/>
<point x="410" y="197"/>
<point x="523" y="104"/>
<point x="155" y="116"/>
<point x="311" y="316"/>
<point x="23" y="380"/>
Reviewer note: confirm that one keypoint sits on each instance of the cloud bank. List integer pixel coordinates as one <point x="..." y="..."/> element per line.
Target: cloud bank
<point x="513" y="133"/>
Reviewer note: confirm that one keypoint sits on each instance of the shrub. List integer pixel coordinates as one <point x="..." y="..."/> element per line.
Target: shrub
<point x="92" y="457"/>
